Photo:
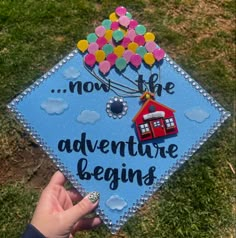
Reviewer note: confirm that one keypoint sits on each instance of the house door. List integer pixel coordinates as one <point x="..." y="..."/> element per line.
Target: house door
<point x="158" y="128"/>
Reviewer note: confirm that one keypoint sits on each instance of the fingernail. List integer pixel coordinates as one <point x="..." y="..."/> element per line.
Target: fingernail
<point x="93" y="196"/>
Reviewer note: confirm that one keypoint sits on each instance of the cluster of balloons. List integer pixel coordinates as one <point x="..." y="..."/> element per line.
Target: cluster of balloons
<point x="119" y="41"/>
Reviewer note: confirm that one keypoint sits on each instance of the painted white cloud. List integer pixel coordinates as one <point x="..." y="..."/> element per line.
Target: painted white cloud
<point x="88" y="117"/>
<point x="197" y="114"/>
<point x="115" y="202"/>
<point x="71" y="73"/>
<point x="54" y="105"/>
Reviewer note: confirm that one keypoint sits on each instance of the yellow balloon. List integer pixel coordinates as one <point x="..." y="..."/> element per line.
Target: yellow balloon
<point x="108" y="35"/>
<point x="113" y="17"/>
<point x="149" y="36"/>
<point x="149" y="59"/>
<point x="100" y="55"/>
<point x="133" y="46"/>
<point x="83" y="45"/>
<point x="119" y="50"/>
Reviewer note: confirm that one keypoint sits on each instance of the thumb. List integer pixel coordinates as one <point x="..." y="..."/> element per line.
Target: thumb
<point x="84" y="207"/>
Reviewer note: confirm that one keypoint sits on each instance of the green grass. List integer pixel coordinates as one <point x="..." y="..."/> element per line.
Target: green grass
<point x="15" y="209"/>
<point x="34" y="35"/>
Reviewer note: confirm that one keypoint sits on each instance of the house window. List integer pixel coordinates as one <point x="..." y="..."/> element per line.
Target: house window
<point x="156" y="123"/>
<point x="144" y="128"/>
<point x="169" y="122"/>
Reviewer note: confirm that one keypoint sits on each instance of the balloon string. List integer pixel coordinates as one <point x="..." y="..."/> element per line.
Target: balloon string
<point x="144" y="82"/>
<point x="122" y="86"/>
<point x="113" y="85"/>
<point x="129" y="79"/>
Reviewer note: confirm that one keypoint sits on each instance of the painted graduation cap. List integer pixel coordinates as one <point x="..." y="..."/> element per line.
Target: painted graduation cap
<point x="86" y="114"/>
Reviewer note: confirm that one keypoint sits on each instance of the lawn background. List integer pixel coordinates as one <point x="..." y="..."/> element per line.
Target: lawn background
<point x="199" y="199"/>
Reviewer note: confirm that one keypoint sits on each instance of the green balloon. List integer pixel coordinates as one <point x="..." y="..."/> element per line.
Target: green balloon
<point x="128" y="14"/>
<point x="92" y="37"/>
<point x="107" y="24"/>
<point x="141" y="50"/>
<point x="108" y="49"/>
<point x="118" y="35"/>
<point x="121" y="64"/>
<point x="140" y="29"/>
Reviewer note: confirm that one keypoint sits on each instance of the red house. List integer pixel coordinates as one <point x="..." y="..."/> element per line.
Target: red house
<point x="154" y="120"/>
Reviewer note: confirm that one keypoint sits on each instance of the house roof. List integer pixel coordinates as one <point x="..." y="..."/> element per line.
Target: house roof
<point x="147" y="94"/>
<point x="153" y="102"/>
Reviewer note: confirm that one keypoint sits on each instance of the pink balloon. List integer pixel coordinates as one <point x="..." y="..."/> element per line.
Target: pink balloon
<point x="125" y="42"/>
<point x="133" y="23"/>
<point x="112" y="58"/>
<point x="111" y="42"/>
<point x="121" y="11"/>
<point x="131" y="34"/>
<point x="151" y="46"/>
<point x="159" y="54"/>
<point x="127" y="55"/>
<point x="93" y="47"/>
<point x="136" y="60"/>
<point x="101" y="41"/>
<point x="124" y="21"/>
<point x="115" y="25"/>
<point x="139" y="39"/>
<point x="90" y="60"/>
<point x="104" y="66"/>
<point x="100" y="31"/>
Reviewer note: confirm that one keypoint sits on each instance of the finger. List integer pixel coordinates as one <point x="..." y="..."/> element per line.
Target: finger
<point x="74" y="195"/>
<point x="57" y="179"/>
<point x="84" y="207"/>
<point x="86" y="224"/>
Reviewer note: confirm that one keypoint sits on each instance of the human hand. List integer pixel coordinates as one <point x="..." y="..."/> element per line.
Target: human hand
<point x="56" y="216"/>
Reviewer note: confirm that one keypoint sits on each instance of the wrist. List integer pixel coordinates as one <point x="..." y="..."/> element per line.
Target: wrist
<point x="32" y="232"/>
